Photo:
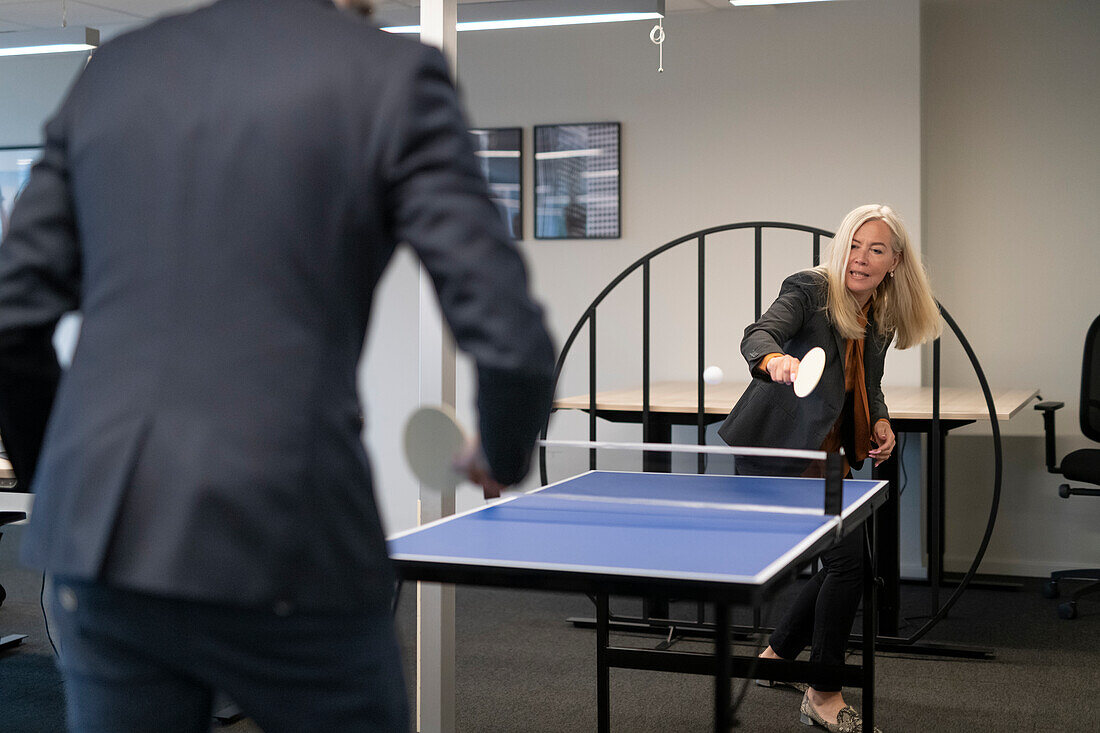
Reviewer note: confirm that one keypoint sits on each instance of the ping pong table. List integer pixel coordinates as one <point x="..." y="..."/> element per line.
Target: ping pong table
<point x="694" y="403"/>
<point x="726" y="540"/>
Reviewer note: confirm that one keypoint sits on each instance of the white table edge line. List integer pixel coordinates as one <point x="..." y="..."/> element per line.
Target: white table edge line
<point x="715" y="476"/>
<point x="569" y="567"/>
<point x="638" y="501"/>
<point x="781" y="562"/>
<point x="692" y="448"/>
<point x="511" y="497"/>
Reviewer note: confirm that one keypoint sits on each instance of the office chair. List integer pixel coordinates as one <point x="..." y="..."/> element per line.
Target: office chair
<point x="1080" y="465"/>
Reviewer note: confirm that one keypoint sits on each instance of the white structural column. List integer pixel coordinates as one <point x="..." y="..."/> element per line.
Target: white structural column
<point x="435" y="603"/>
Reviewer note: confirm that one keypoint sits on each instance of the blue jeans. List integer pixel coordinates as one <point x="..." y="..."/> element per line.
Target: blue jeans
<point x="134" y="663"/>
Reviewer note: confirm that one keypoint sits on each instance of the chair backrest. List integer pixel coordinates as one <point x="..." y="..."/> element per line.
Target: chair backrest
<point x="1090" y="383"/>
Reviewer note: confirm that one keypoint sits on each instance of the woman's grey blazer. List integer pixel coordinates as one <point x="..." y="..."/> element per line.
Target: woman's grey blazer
<point x="769" y="414"/>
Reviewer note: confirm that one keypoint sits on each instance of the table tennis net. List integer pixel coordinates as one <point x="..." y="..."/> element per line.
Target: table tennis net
<point x="807" y="470"/>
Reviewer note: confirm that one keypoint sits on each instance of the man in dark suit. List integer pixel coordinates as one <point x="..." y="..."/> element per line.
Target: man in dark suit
<point x="218" y="195"/>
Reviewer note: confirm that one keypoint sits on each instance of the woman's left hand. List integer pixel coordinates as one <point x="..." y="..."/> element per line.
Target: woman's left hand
<point x="884" y="440"/>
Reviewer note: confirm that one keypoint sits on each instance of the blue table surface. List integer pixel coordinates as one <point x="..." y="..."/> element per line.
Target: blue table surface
<point x="639" y="524"/>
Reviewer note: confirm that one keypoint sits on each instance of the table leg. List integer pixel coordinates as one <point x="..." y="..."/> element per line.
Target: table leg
<point x="887" y="548"/>
<point x="870" y="608"/>
<point x="722" y="722"/>
<point x="603" y="672"/>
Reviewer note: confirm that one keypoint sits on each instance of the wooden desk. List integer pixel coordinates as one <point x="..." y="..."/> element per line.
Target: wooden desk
<point x="676" y="403"/>
<point x="906" y="403"/>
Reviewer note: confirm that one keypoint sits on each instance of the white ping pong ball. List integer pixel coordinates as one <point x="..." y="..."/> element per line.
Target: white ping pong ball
<point x="712" y="375"/>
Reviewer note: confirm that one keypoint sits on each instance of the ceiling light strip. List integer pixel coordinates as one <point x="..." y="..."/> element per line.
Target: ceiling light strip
<point x="486" y="25"/>
<point x="60" y="40"/>
<point x="746" y="3"/>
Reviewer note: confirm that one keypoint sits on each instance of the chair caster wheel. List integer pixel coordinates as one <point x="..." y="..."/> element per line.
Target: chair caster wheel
<point x="1050" y="589"/>
<point x="1067" y="610"/>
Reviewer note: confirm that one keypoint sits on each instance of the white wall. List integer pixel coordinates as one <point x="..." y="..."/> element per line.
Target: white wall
<point x="31" y="88"/>
<point x="798" y="114"/>
<point x="1011" y="179"/>
<point x="761" y="113"/>
<point x="390" y="389"/>
<point x="793" y="114"/>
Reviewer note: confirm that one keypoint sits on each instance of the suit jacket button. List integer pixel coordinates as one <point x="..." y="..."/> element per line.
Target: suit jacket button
<point x="283" y="608"/>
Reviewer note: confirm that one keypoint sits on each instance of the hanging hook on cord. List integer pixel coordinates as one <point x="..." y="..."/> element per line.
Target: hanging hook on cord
<point x="657" y="35"/>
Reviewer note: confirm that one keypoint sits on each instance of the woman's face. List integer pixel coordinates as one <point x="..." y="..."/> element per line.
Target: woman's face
<point x="871" y="258"/>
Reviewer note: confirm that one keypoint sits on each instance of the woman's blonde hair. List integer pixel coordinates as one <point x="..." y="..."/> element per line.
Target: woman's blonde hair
<point x="903" y="302"/>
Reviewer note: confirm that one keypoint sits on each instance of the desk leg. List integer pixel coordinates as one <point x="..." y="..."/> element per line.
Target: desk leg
<point x="659" y="431"/>
<point x="603" y="672"/>
<point x="870" y="616"/>
<point x="722" y="722"/>
<point x="935" y="519"/>
<point x="887" y="548"/>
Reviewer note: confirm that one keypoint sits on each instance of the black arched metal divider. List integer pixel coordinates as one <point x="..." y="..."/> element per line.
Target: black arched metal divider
<point x="936" y="433"/>
<point x="589" y="319"/>
<point x="998" y="464"/>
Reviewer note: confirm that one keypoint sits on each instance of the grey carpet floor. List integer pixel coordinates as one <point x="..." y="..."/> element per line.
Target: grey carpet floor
<point x="522" y="667"/>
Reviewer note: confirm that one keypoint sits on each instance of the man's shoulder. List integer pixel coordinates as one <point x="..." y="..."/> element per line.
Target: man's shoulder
<point x="319" y="31"/>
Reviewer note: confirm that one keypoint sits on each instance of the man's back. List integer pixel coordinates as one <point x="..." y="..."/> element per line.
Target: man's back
<point x="234" y="200"/>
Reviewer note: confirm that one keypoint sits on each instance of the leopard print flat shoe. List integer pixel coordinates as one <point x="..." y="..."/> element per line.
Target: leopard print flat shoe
<point x="847" y="720"/>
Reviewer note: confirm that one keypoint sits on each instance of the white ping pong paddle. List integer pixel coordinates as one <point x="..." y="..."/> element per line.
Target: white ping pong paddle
<point x="433" y="438"/>
<point x="810" y="368"/>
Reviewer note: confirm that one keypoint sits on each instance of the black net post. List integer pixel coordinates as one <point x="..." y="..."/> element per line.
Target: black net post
<point x="834" y="484"/>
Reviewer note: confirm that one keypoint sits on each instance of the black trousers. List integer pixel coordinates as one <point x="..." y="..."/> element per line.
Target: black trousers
<point x="822" y="614"/>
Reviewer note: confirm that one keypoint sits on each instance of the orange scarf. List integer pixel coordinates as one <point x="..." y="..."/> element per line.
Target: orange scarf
<point x="855" y="382"/>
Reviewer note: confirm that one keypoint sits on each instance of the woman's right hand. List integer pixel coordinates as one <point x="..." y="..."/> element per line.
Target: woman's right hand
<point x="783" y="368"/>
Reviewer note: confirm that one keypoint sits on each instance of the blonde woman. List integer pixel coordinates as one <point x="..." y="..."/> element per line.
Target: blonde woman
<point x="872" y="290"/>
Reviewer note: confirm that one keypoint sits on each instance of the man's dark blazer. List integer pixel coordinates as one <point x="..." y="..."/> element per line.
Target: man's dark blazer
<point x="219" y="195"/>
<point x="769" y="414"/>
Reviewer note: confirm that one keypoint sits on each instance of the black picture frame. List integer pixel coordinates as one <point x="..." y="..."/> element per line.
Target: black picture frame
<point x="578" y="184"/>
<point x="15" y="169"/>
<point x="500" y="153"/>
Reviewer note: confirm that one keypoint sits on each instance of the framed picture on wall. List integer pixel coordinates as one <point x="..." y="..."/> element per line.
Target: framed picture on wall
<point x="15" y="168"/>
<point x="577" y="187"/>
<point x="500" y="152"/>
